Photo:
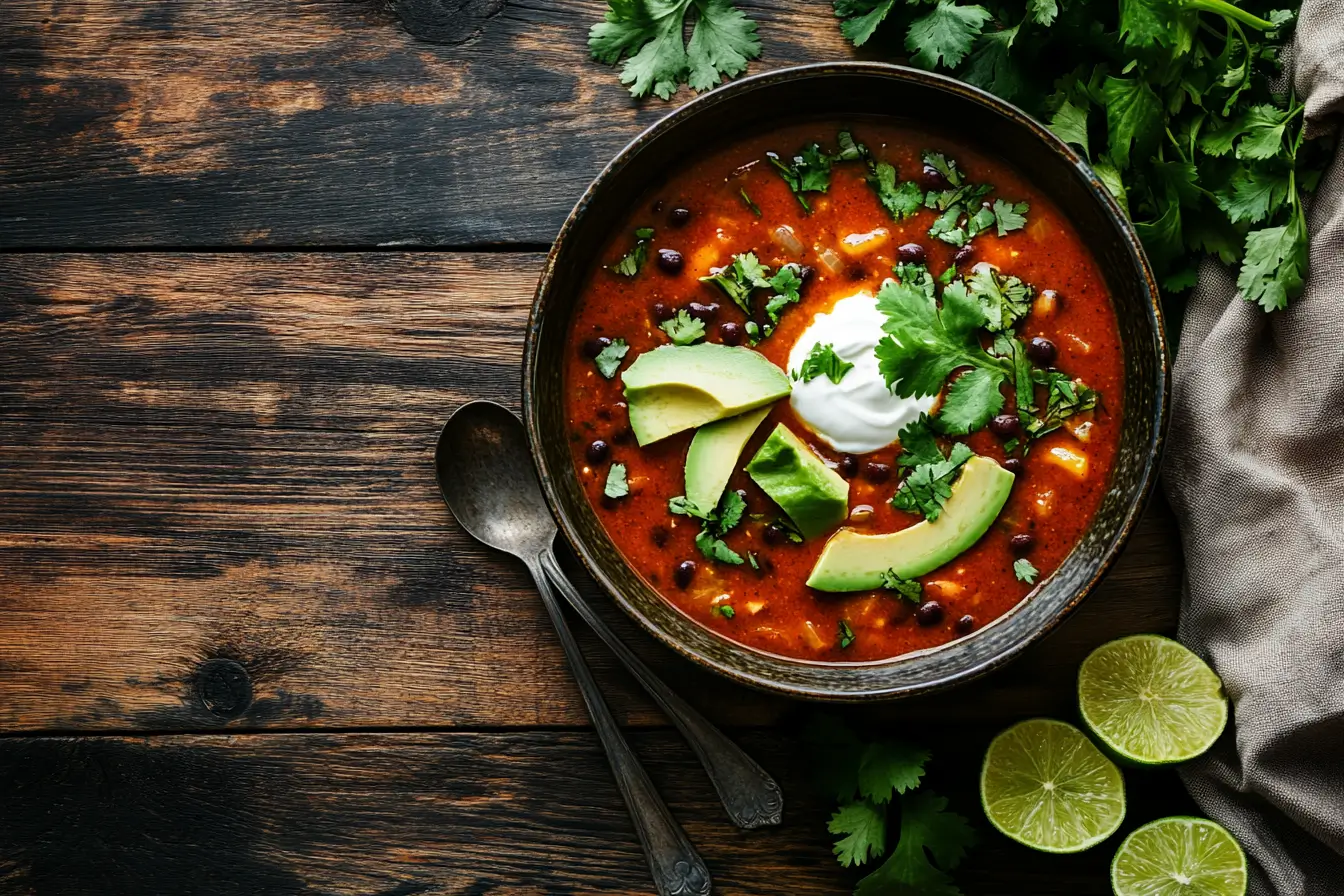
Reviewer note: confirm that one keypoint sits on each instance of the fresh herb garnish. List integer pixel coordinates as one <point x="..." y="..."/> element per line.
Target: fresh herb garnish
<point x="878" y="786"/>
<point x="1025" y="571"/>
<point x="755" y="209"/>
<point x="616" y="486"/>
<point x="725" y="610"/>
<point x="683" y="329"/>
<point x="715" y="524"/>
<point x="910" y="589"/>
<point x="1065" y="398"/>
<point x="929" y="485"/>
<point x="918" y="445"/>
<point x="744" y="276"/>
<point x="965" y="213"/>
<point x="1004" y="300"/>
<point x="822" y="361"/>
<point x="631" y="263"/>
<point x="807" y="172"/>
<point x="608" y="360"/>
<point x="846" y="635"/>
<point x="903" y="200"/>
<point x="649" y="35"/>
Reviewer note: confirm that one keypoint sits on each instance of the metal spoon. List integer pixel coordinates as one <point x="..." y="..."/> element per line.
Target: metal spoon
<point x="482" y="455"/>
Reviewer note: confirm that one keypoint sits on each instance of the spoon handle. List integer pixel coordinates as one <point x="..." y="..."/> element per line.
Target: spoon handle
<point x="677" y="868"/>
<point x="748" y="793"/>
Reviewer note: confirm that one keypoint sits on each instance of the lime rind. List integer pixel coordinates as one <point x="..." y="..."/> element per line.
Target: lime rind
<point x="1179" y="856"/>
<point x="1047" y="786"/>
<point x="1151" y="701"/>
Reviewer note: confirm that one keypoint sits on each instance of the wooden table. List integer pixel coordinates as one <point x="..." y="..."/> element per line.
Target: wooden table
<point x="255" y="252"/>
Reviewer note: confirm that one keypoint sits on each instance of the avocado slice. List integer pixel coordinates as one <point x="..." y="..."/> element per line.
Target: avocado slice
<point x="854" y="562"/>
<point x="713" y="454"/>
<point x="810" y="493"/>
<point x="679" y="387"/>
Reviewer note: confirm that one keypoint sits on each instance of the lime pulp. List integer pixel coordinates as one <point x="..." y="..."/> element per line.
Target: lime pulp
<point x="1179" y="857"/>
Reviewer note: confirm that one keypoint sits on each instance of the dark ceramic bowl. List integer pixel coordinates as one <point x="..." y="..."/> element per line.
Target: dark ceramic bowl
<point x="836" y="91"/>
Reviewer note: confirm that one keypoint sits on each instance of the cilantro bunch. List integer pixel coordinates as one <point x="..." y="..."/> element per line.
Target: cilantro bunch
<point x="715" y="523"/>
<point x="884" y="811"/>
<point x="1171" y="101"/>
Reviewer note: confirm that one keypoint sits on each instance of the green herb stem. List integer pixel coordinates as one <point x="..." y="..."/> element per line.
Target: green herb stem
<point x="1229" y="11"/>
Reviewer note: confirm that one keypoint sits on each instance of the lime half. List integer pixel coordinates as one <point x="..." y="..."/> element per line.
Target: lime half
<point x="1045" y="785"/>
<point x="1151" y="700"/>
<point x="1179" y="857"/>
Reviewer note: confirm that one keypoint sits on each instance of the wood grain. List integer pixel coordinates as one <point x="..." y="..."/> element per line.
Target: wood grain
<point x="462" y="813"/>
<point x="210" y="457"/>
<point x="318" y="122"/>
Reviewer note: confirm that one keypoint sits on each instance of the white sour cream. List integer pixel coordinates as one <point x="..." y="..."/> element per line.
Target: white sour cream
<point x="858" y="414"/>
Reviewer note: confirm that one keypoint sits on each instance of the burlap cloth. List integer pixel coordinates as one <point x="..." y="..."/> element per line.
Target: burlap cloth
<point x="1255" y="472"/>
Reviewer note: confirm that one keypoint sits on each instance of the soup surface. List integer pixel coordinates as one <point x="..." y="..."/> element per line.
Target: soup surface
<point x="952" y="257"/>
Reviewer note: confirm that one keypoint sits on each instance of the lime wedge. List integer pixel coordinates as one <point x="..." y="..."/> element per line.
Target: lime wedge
<point x="1150" y="700"/>
<point x="1179" y="857"/>
<point x="1045" y="785"/>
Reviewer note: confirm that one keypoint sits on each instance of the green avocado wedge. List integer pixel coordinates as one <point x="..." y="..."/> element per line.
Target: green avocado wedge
<point x="854" y="562"/>
<point x="713" y="455"/>
<point x="811" y="494"/>
<point x="678" y="387"/>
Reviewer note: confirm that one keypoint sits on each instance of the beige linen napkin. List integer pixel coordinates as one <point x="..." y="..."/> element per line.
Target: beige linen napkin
<point x="1255" y="471"/>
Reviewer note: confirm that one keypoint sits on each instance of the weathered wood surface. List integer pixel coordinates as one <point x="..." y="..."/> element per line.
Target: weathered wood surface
<point x="228" y="457"/>
<point x="462" y="813"/>
<point x="318" y="122"/>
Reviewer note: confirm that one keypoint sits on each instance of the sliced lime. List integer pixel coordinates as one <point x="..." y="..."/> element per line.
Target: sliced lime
<point x="1151" y="700"/>
<point x="1046" y="785"/>
<point x="1179" y="857"/>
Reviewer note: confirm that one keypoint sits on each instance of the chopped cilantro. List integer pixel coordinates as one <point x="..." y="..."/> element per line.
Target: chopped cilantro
<point x="918" y="445"/>
<point x="714" y="524"/>
<point x="822" y="361"/>
<point x="715" y="548"/>
<point x="916" y="275"/>
<point x="1025" y="572"/>
<point x="1010" y="216"/>
<point x="910" y="589"/>
<point x="631" y="263"/>
<point x="725" y="610"/>
<point x="744" y="276"/>
<point x="649" y="35"/>
<point x="1065" y="398"/>
<point x="928" y="486"/>
<point x="751" y="558"/>
<point x="1004" y="300"/>
<point x="608" y="360"/>
<point x="755" y="209"/>
<point x="683" y="329"/>
<point x="807" y="172"/>
<point x="846" y="635"/>
<point x="616" y="486"/>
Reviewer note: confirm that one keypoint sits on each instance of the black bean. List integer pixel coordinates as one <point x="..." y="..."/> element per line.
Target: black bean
<point x="965" y="624"/>
<point x="849" y="466"/>
<point x="683" y="573"/>
<point x="598" y="451"/>
<point x="730" y="333"/>
<point x="703" y="313"/>
<point x="593" y="347"/>
<point x="911" y="253"/>
<point x="1014" y="465"/>
<point x="856" y="273"/>
<point x="670" y="261"/>
<point x="660" y="534"/>
<point x="1042" y="351"/>
<point x="805" y="273"/>
<point x="964" y="254"/>
<point x="875" y="472"/>
<point x="775" y="534"/>
<point x="679" y="216"/>
<point x="1021" y="543"/>
<point x="1005" y="425"/>
<point x="933" y="178"/>
<point x="662" y="311"/>
<point x="929" y="613"/>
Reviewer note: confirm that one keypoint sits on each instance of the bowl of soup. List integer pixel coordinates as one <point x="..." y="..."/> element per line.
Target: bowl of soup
<point x="847" y="381"/>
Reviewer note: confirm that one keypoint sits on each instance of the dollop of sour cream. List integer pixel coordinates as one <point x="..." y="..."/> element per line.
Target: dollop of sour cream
<point x="859" y="414"/>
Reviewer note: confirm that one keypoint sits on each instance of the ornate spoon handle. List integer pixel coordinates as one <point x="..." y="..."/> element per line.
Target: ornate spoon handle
<point x="677" y="868"/>
<point x="749" y="794"/>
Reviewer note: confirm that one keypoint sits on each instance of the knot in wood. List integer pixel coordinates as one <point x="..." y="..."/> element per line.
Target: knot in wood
<point x="223" y="687"/>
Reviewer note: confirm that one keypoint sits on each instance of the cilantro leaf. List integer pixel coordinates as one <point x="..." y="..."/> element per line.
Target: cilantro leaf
<point x="616" y="486"/>
<point x="726" y="610"/>
<point x="860" y="18"/>
<point x="1065" y="398"/>
<point x="890" y="767"/>
<point x="1003" y="300"/>
<point x="910" y="589"/>
<point x="845" y="635"/>
<point x="1275" y="264"/>
<point x="925" y="343"/>
<point x="731" y="508"/>
<point x="1264" y="133"/>
<point x="1025" y="571"/>
<point x="787" y="284"/>
<point x="1133" y="117"/>
<point x="944" y="166"/>
<point x="903" y="200"/>
<point x="683" y="329"/>
<point x="807" y="172"/>
<point x="608" y="360"/>
<point x="631" y="263"/>
<point x="1069" y="123"/>
<point x="738" y="279"/>
<point x="1218" y="140"/>
<point x="1043" y="12"/>
<point x="918" y="445"/>
<point x="971" y="401"/>
<point x="822" y="361"/>
<point x="945" y="34"/>
<point x="916" y="275"/>
<point x="714" y="524"/>
<point x="1254" y="194"/>
<point x="716" y="549"/>
<point x="649" y="35"/>
<point x="928" y="486"/>
<point x="1010" y="216"/>
<point x="991" y="65"/>
<point x="927" y="829"/>
<point x="865" y="827"/>
<point x="1112" y="180"/>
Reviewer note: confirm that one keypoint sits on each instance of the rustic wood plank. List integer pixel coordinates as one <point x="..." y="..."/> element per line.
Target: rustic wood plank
<point x="228" y="457"/>
<point x="461" y="813"/>
<point x="317" y="122"/>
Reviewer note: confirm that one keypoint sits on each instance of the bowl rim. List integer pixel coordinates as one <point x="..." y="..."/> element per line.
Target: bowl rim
<point x="1132" y="513"/>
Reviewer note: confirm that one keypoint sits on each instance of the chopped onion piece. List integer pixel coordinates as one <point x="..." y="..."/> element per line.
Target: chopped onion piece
<point x="787" y="240"/>
<point x="831" y="260"/>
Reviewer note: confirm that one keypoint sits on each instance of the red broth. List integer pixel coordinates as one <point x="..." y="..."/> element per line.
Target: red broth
<point x="773" y="610"/>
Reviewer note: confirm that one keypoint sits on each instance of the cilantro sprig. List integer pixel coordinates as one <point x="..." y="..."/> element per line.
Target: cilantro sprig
<point x="822" y="361"/>
<point x="746" y="274"/>
<point x="683" y="329"/>
<point x="715" y="523"/>
<point x="633" y="261"/>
